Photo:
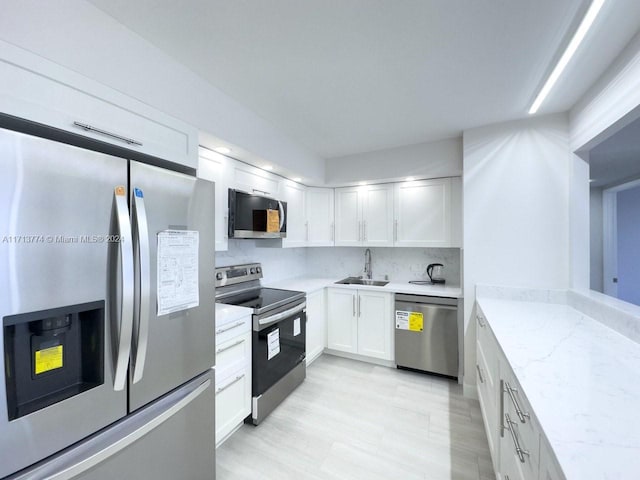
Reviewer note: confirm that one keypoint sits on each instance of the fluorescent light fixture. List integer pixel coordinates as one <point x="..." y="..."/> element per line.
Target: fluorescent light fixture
<point x="223" y="150"/>
<point x="268" y="167"/>
<point x="410" y="179"/>
<point x="575" y="42"/>
<point x="296" y="179"/>
<point x="362" y="183"/>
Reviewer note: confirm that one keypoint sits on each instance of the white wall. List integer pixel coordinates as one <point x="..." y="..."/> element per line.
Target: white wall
<point x="595" y="216"/>
<point x="75" y="34"/>
<point x="424" y="160"/>
<point x="516" y="211"/>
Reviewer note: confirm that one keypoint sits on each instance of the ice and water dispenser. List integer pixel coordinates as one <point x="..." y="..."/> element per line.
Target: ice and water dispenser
<point x="52" y="355"/>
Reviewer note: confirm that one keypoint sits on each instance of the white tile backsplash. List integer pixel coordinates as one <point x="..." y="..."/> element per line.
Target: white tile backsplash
<point x="277" y="263"/>
<point x="400" y="264"/>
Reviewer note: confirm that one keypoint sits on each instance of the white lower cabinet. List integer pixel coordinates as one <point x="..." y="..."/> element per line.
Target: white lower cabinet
<point x="233" y="376"/>
<point x="360" y="322"/>
<point x="519" y="450"/>
<point x="316" y="339"/>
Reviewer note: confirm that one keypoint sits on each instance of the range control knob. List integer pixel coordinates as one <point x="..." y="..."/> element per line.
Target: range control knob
<point x="219" y="276"/>
<point x="253" y="270"/>
<point x="258" y="269"/>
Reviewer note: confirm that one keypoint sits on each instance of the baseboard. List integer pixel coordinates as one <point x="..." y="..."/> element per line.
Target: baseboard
<point x="361" y="358"/>
<point x="470" y="390"/>
<point x="313" y="356"/>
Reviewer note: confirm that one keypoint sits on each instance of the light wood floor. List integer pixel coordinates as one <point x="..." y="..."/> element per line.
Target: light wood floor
<point x="356" y="421"/>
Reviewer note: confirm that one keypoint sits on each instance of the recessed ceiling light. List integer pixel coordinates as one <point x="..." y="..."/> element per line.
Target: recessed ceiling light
<point x="268" y="167"/>
<point x="296" y="179"/>
<point x="362" y="183"/>
<point x="223" y="150"/>
<point x="586" y="23"/>
<point x="410" y="179"/>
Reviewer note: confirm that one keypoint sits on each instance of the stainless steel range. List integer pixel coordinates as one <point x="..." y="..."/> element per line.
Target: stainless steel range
<point x="279" y="330"/>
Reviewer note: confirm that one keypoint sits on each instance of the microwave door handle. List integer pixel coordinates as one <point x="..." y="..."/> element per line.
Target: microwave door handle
<point x="270" y="320"/>
<point x="125" y="309"/>
<point x="142" y="308"/>
<point x="281" y="210"/>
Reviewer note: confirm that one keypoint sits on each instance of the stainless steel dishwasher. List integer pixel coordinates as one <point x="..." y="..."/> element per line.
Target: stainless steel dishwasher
<point x="426" y="334"/>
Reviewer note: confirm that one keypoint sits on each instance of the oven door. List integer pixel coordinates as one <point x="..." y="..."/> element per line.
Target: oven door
<point x="278" y="345"/>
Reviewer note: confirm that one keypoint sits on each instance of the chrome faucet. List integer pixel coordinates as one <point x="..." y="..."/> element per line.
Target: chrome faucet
<point x="367" y="264"/>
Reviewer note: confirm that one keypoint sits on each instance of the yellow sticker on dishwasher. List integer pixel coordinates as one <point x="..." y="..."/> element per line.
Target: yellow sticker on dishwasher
<point x="48" y="359"/>
<point x="416" y="321"/>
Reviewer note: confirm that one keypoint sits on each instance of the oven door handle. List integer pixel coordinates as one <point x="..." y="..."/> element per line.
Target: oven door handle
<point x="265" y="322"/>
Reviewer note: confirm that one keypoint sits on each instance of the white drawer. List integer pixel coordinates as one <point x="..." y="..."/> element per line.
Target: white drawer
<point x="236" y="350"/>
<point x="230" y="329"/>
<point x="233" y="402"/>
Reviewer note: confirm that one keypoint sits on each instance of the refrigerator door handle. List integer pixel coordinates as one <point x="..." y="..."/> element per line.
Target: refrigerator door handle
<point x="142" y="306"/>
<point x="103" y="446"/>
<point x="127" y="281"/>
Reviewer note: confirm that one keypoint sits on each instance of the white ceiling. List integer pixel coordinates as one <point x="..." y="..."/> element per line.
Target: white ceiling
<point x="351" y="76"/>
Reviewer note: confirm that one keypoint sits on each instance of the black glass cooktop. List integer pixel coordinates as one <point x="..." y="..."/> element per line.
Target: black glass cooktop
<point x="261" y="299"/>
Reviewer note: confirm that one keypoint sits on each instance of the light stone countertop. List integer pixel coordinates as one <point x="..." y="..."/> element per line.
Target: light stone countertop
<point x="582" y="380"/>
<point x="229" y="313"/>
<point x="312" y="284"/>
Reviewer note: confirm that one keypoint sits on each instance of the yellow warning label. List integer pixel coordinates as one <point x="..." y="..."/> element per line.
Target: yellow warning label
<point x="48" y="359"/>
<point x="416" y="321"/>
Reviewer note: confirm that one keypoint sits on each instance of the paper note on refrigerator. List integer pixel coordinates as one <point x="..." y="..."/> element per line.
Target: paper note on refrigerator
<point x="273" y="344"/>
<point x="177" y="271"/>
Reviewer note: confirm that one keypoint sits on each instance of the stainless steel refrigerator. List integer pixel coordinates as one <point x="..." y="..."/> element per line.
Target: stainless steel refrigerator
<point x="107" y="308"/>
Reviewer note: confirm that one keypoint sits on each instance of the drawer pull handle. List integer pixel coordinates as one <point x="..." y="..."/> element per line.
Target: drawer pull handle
<point x="480" y="322"/>
<point x="226" y="329"/>
<point x="480" y="373"/>
<point x="88" y="128"/>
<point x="221" y="389"/>
<point x="235" y="344"/>
<point x="520" y="451"/>
<point x="521" y="415"/>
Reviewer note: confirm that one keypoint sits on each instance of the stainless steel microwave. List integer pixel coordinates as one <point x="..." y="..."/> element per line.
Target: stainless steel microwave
<point x="247" y="216"/>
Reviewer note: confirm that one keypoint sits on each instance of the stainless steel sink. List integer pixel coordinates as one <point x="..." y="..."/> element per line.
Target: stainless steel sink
<point x="362" y="281"/>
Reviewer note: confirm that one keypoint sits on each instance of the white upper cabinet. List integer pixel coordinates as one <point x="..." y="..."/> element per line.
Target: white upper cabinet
<point x="364" y="216"/>
<point x="320" y="217"/>
<point x="217" y="168"/>
<point x="348" y="215"/>
<point x="36" y="89"/>
<point x="255" y="180"/>
<point x="297" y="229"/>
<point x="377" y="215"/>
<point x="423" y="213"/>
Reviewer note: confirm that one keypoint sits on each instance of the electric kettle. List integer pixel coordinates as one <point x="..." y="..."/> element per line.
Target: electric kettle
<point x="434" y="271"/>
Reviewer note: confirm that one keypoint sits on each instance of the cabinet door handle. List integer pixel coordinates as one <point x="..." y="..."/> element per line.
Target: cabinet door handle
<point x="359" y="306"/>
<point x="353" y="298"/>
<point x="306" y="226"/>
<point x="480" y="373"/>
<point x="364" y="230"/>
<point x="226" y="227"/>
<point x="521" y="415"/>
<point x="223" y="388"/>
<point x="395" y="230"/>
<point x="88" y="128"/>
<point x="225" y="329"/>
<point x="235" y="344"/>
<point x="519" y="450"/>
<point x="261" y="191"/>
<point x="333" y="231"/>
<point x="359" y="231"/>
